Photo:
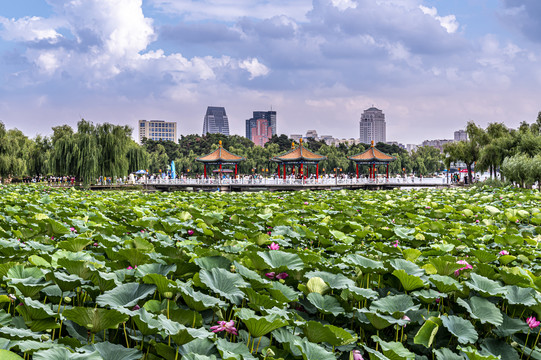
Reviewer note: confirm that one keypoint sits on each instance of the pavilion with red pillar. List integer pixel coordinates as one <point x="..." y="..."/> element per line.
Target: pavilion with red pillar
<point x="220" y="157"/>
<point x="372" y="157"/>
<point x="297" y="157"/>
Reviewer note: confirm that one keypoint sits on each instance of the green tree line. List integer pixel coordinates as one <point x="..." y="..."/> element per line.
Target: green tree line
<point x="93" y="150"/>
<point x="515" y="154"/>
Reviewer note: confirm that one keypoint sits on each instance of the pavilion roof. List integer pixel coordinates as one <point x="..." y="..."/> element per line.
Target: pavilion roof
<point x="371" y="155"/>
<point x="299" y="154"/>
<point x="220" y="155"/>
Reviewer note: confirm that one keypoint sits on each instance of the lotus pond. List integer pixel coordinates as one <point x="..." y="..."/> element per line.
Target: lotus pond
<point x="419" y="274"/>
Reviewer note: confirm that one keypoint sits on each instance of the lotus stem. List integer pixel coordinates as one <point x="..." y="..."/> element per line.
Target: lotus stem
<point x="93" y="335"/>
<point x="126" y="335"/>
<point x="535" y="342"/>
<point x="193" y="325"/>
<point x="257" y="347"/>
<point x="167" y="308"/>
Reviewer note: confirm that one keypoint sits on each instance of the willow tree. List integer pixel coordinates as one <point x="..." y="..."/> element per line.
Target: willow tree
<point x="39" y="155"/>
<point x="87" y="166"/>
<point x="113" y="142"/>
<point x="137" y="157"/>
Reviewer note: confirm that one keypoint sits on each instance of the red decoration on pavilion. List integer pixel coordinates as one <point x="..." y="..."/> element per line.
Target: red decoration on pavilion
<point x="220" y="157"/>
<point x="372" y="157"/>
<point x="298" y="156"/>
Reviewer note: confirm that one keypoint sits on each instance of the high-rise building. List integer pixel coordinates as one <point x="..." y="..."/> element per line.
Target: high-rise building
<point x="157" y="130"/>
<point x="261" y="133"/>
<point x="252" y="124"/>
<point x="216" y="121"/>
<point x="461" y="135"/>
<point x="372" y="126"/>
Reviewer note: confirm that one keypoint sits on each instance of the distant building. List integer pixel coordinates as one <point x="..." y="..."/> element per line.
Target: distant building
<point x="295" y="137"/>
<point x="438" y="144"/>
<point x="411" y="147"/>
<point x="255" y="125"/>
<point x="157" y="130"/>
<point x="312" y="134"/>
<point x="372" y="126"/>
<point x="216" y="121"/>
<point x="461" y="135"/>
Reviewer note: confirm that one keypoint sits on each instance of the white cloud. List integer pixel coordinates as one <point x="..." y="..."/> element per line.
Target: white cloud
<point x="29" y="28"/>
<point x="448" y="22"/>
<point x="254" y="67"/>
<point x="344" y="4"/>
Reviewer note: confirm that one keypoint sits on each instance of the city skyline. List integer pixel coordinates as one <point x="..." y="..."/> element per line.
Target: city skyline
<point x="432" y="65"/>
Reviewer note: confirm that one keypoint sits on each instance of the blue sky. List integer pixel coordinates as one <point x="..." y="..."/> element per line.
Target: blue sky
<point x="430" y="65"/>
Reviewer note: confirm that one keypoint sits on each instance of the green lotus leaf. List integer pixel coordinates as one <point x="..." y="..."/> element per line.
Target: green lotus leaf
<point x="163" y="284"/>
<point x="211" y="262"/>
<point x="8" y="355"/>
<point x="259" y="325"/>
<point x="523" y="296"/>
<point x="280" y="260"/>
<point x="485" y="286"/>
<point x="393" y="349"/>
<point x="363" y="294"/>
<point x="105" y="281"/>
<point x="311" y="351"/>
<point x="426" y="334"/>
<point x="335" y="281"/>
<point x="146" y="323"/>
<point x="233" y="351"/>
<point x="445" y="284"/>
<point x="411" y="254"/>
<point x="409" y="282"/>
<point x="64" y="354"/>
<point x="408" y="267"/>
<point x="154" y="268"/>
<point x="317" y="333"/>
<point x="15" y="333"/>
<point x="288" y="341"/>
<point x="75" y="245"/>
<point x="39" y="261"/>
<point x="56" y="228"/>
<point x="484" y="256"/>
<point x="445" y="266"/>
<point x="375" y="355"/>
<point x="259" y="300"/>
<point x="395" y="305"/>
<point x="379" y="321"/>
<point x="199" y="301"/>
<point x="283" y="293"/>
<point x="482" y="309"/>
<point x="474" y="354"/>
<point x="492" y="210"/>
<point x="250" y="275"/>
<point x="32" y="345"/>
<point x="461" y="328"/>
<point x="125" y="295"/>
<point x="95" y="319"/>
<point x="366" y="264"/>
<point x="65" y="282"/>
<point x="428" y="296"/>
<point x="135" y="257"/>
<point x="198" y="346"/>
<point x="109" y="351"/>
<point x="224" y="283"/>
<point x="325" y="303"/>
<point x="500" y="348"/>
<point x="511" y="326"/>
<point x="446" y="354"/>
<point x="317" y="285"/>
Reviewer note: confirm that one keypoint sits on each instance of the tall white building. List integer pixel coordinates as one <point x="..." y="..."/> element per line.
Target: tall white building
<point x="372" y="126"/>
<point x="157" y="130"/>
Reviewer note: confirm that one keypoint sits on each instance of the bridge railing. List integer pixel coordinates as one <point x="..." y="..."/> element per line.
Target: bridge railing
<point x="293" y="181"/>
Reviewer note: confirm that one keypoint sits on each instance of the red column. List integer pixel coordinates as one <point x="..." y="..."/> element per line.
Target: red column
<point x="284" y="171"/>
<point x="317" y="171"/>
<point x="387" y="171"/>
<point x="235" y="170"/>
<point x="301" y="171"/>
<point x="205" y="171"/>
<point x="220" y="168"/>
<point x="357" y="169"/>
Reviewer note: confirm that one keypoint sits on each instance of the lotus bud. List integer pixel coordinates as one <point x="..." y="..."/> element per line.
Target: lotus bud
<point x="269" y="352"/>
<point x="67" y="299"/>
<point x="168" y="294"/>
<point x="45" y="337"/>
<point x="233" y="268"/>
<point x="514" y="344"/>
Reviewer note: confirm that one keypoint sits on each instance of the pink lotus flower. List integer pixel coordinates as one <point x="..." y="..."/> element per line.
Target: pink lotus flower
<point x="274" y="246"/>
<point x="532" y="322"/>
<point x="270" y="275"/>
<point x="396" y="243"/>
<point x="406" y="318"/>
<point x="305" y="203"/>
<point x="462" y="262"/>
<point x="72" y="229"/>
<point x="190" y="232"/>
<point x="477" y="221"/>
<point x="504" y="252"/>
<point x="129" y="268"/>
<point x="281" y="276"/>
<point x="227" y="326"/>
<point x="96" y="244"/>
<point x="136" y="307"/>
<point x="268" y="233"/>
<point x="357" y="355"/>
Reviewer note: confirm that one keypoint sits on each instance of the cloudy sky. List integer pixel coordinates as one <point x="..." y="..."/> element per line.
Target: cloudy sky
<point x="430" y="65"/>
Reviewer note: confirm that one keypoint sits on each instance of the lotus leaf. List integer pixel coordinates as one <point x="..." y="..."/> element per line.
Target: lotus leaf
<point x="233" y="351"/>
<point x="259" y="325"/>
<point x="224" y="283"/>
<point x="325" y="303"/>
<point x="95" y="320"/>
<point x="485" y="286"/>
<point x="395" y="305"/>
<point x="482" y="309"/>
<point x="317" y="333"/>
<point x="317" y="285"/>
<point x="409" y="282"/>
<point x="393" y="349"/>
<point x="125" y="295"/>
<point x="280" y="260"/>
<point x="461" y="328"/>
<point x="426" y="334"/>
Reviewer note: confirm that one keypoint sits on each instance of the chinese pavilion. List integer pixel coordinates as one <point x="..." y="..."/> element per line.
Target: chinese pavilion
<point x="372" y="157"/>
<point x="220" y="157"/>
<point x="298" y="156"/>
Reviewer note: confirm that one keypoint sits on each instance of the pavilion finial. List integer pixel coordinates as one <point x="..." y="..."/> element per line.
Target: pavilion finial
<point x="372" y="143"/>
<point x="220" y="143"/>
<point x="293" y="144"/>
<point x="300" y="141"/>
